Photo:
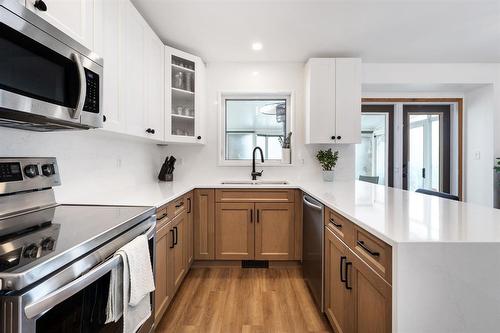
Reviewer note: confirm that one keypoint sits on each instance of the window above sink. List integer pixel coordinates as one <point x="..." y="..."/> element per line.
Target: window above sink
<point x="250" y="120"/>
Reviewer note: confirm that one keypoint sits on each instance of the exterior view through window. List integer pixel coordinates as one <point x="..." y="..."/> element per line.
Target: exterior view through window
<point x="251" y="122"/>
<point x="371" y="153"/>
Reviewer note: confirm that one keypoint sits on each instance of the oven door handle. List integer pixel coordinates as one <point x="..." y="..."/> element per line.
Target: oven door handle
<point x="49" y="301"/>
<point x="151" y="232"/>
<point x="83" y="86"/>
<point x="59" y="295"/>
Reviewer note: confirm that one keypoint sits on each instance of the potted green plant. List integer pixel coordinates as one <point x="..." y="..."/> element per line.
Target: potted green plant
<point x="328" y="161"/>
<point x="285" y="143"/>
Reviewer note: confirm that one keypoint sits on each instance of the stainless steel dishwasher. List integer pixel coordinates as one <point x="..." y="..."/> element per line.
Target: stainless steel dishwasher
<point x="313" y="238"/>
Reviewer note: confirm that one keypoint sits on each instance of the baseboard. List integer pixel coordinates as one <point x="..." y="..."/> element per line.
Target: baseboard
<point x="237" y="263"/>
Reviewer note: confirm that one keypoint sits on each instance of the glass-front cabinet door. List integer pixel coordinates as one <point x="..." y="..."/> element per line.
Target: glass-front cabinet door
<point x="184" y="97"/>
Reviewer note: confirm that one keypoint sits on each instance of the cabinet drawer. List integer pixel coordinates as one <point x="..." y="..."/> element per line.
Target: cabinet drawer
<point x="177" y="206"/>
<point x="261" y="195"/>
<point x="376" y="253"/>
<point x="342" y="227"/>
<point x="162" y="217"/>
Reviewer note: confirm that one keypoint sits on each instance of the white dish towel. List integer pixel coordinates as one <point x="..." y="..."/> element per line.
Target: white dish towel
<point x="130" y="286"/>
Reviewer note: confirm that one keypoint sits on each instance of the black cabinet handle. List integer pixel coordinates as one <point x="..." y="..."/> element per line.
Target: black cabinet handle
<point x="373" y="253"/>
<point x="176" y="236"/>
<point x="180" y="205"/>
<point x="251" y="216"/>
<point x="339" y="137"/>
<point x="338" y="225"/>
<point x="347" y="286"/>
<point x="342" y="261"/>
<point x="152" y="131"/>
<point x="149" y="130"/>
<point x="258" y="216"/>
<point x="199" y="137"/>
<point x="333" y="137"/>
<point x="103" y="118"/>
<point x="40" y="5"/>
<point x="189" y="205"/>
<point x="173" y="240"/>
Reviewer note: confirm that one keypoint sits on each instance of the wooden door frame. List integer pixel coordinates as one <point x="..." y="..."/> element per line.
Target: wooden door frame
<point x="460" y="130"/>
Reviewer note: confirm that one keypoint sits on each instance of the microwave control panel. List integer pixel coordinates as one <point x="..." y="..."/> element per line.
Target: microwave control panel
<point x="92" y="98"/>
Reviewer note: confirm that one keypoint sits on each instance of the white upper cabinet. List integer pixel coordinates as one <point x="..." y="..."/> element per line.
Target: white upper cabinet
<point x="348" y="100"/>
<point x="134" y="69"/>
<point x="184" y="97"/>
<point x="73" y="17"/>
<point x="155" y="85"/>
<point x="107" y="24"/>
<point x="320" y="99"/>
<point x="140" y="94"/>
<point x="333" y="100"/>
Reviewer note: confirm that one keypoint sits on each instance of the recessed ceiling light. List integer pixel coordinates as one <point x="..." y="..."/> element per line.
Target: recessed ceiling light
<point x="257" y="46"/>
<point x="255" y="73"/>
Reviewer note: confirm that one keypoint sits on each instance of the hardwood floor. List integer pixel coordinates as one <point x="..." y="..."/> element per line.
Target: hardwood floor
<point x="233" y="299"/>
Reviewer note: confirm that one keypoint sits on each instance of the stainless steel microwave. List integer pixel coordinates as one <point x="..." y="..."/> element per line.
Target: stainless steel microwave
<point x="48" y="81"/>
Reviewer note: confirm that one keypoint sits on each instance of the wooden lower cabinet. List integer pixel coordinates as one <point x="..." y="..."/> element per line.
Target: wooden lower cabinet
<point x="357" y="299"/>
<point x="260" y="231"/>
<point x="190" y="229"/>
<point x="274" y="231"/>
<point x="204" y="224"/>
<point x="173" y="244"/>
<point x="372" y="299"/>
<point x="338" y="299"/>
<point x="163" y="276"/>
<point x="177" y="260"/>
<point x="234" y="228"/>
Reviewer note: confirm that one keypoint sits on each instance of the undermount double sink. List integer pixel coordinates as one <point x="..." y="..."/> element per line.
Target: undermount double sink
<point x="255" y="182"/>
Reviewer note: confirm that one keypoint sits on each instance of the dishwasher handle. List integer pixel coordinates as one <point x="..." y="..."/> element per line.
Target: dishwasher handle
<point x="310" y="204"/>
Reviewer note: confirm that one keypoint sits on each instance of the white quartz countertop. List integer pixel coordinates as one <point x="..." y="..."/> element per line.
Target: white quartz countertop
<point x="393" y="215"/>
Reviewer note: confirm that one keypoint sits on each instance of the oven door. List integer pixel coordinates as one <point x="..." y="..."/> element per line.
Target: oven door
<point x="78" y="305"/>
<point x="44" y="77"/>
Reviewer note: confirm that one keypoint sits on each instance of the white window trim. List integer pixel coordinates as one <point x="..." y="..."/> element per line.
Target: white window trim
<point x="221" y="149"/>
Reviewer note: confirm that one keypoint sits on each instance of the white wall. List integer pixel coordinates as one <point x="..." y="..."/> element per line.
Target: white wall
<point x="89" y="161"/>
<point x="478" y="157"/>
<point x="258" y="78"/>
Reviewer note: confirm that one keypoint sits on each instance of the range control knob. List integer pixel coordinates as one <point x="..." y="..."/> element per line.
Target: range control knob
<point x="31" y="251"/>
<point x="31" y="170"/>
<point x="48" y="170"/>
<point x="48" y="244"/>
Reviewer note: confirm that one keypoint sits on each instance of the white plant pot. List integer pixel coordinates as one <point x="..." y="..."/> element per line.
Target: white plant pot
<point x="328" y="176"/>
<point x="285" y="155"/>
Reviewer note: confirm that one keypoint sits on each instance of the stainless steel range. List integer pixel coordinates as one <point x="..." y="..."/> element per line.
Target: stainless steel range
<point x="55" y="260"/>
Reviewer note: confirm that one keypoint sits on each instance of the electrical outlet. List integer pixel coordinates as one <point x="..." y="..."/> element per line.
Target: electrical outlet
<point x="118" y="162"/>
<point x="477" y="155"/>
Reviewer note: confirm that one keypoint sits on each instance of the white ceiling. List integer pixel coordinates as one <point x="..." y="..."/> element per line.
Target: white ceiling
<point x="376" y="31"/>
